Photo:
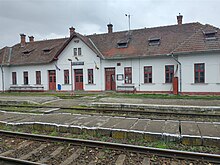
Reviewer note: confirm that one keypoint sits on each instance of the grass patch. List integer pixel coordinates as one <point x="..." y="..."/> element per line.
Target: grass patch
<point x="168" y="96"/>
<point x="67" y="95"/>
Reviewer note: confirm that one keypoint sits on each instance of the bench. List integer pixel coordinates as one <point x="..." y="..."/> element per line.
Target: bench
<point x="126" y="88"/>
<point x="26" y="88"/>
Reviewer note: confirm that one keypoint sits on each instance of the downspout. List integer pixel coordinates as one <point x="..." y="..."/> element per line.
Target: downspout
<point x="171" y="55"/>
<point x="3" y="84"/>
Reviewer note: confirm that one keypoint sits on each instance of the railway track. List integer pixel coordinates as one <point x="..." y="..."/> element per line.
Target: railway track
<point x="23" y="148"/>
<point x="151" y="114"/>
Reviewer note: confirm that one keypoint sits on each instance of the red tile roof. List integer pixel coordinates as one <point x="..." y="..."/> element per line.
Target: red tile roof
<point x="172" y="39"/>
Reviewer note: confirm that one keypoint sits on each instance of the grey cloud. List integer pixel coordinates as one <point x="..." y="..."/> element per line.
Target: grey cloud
<point x="52" y="18"/>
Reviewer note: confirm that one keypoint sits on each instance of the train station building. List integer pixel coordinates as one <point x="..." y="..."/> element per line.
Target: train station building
<point x="180" y="58"/>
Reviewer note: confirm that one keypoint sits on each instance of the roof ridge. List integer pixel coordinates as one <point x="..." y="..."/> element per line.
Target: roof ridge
<point x="145" y="28"/>
<point x="187" y="39"/>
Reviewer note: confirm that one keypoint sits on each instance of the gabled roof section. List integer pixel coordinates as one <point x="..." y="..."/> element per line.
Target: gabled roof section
<point x="85" y="39"/>
<point x="5" y="54"/>
<point x="147" y="42"/>
<point x="32" y="52"/>
<point x="170" y="38"/>
<point x="200" y="42"/>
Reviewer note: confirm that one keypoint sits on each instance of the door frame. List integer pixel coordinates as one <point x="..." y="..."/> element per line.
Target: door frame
<point x="75" y="83"/>
<point x="53" y="86"/>
<point x="112" y="82"/>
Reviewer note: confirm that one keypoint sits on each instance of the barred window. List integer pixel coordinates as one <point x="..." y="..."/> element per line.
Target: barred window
<point x="38" y="77"/>
<point x="199" y="73"/>
<point x="169" y="73"/>
<point x="14" y="78"/>
<point x="66" y="77"/>
<point x="90" y="76"/>
<point x="25" y="78"/>
<point x="148" y="74"/>
<point x="128" y="75"/>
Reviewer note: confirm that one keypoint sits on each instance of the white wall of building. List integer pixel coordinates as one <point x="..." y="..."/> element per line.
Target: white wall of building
<point x="212" y="72"/>
<point x="158" y="71"/>
<point x="31" y="69"/>
<point x="90" y="60"/>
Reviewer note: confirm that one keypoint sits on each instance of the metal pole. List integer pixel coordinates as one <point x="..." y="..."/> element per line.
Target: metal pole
<point x="129" y="21"/>
<point x="71" y="72"/>
<point x="71" y="77"/>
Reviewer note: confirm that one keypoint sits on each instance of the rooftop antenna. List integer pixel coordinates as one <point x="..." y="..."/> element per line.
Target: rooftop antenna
<point x="129" y="21"/>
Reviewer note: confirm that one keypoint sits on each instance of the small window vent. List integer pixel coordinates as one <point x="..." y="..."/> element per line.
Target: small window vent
<point x="210" y="35"/>
<point x="46" y="50"/>
<point x="27" y="52"/>
<point x="123" y="43"/>
<point x="153" y="41"/>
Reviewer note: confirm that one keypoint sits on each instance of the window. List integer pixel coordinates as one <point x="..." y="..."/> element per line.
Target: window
<point x="154" y="41"/>
<point x="169" y="73"/>
<point x="38" y="77"/>
<point x="123" y="43"/>
<point x="25" y="78"/>
<point x="128" y="75"/>
<point x="210" y="35"/>
<point x="90" y="76"/>
<point x="148" y="74"/>
<point x="77" y="51"/>
<point x="14" y="78"/>
<point x="199" y="73"/>
<point x="66" y="77"/>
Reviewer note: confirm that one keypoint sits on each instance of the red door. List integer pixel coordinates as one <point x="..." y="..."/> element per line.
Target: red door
<point x="52" y="79"/>
<point x="78" y="79"/>
<point x="110" y="79"/>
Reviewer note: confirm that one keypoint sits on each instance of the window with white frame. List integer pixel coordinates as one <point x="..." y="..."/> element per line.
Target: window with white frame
<point x="77" y="51"/>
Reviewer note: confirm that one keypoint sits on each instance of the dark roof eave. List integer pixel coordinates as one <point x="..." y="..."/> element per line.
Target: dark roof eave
<point x="26" y="64"/>
<point x="196" y="52"/>
<point x="133" y="57"/>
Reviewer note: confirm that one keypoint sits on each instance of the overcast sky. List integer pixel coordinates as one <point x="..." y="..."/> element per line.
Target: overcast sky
<point x="45" y="19"/>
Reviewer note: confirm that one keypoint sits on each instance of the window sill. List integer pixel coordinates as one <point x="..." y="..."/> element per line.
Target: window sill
<point x="199" y="83"/>
<point x="167" y="83"/>
<point x="127" y="84"/>
<point x="66" y="84"/>
<point x="147" y="83"/>
<point x="90" y="84"/>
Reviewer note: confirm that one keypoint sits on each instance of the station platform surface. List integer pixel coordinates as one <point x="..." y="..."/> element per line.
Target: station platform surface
<point x="189" y="132"/>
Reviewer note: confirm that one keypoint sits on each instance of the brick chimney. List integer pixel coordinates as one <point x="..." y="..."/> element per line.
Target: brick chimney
<point x="31" y="38"/>
<point x="23" y="40"/>
<point x="72" y="31"/>
<point x="179" y="19"/>
<point x="110" y="28"/>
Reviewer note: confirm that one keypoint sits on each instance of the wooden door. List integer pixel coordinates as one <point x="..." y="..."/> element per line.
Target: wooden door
<point x="110" y="79"/>
<point x="52" y="79"/>
<point x="78" y="79"/>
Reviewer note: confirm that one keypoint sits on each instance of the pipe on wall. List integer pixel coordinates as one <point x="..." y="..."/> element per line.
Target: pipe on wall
<point x="180" y="69"/>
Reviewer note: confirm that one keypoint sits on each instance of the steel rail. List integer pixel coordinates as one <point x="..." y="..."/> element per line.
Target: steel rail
<point x="212" y="158"/>
<point x="8" y="160"/>
<point x="107" y="110"/>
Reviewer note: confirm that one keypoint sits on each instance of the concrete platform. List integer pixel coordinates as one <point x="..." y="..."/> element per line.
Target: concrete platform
<point x="187" y="132"/>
